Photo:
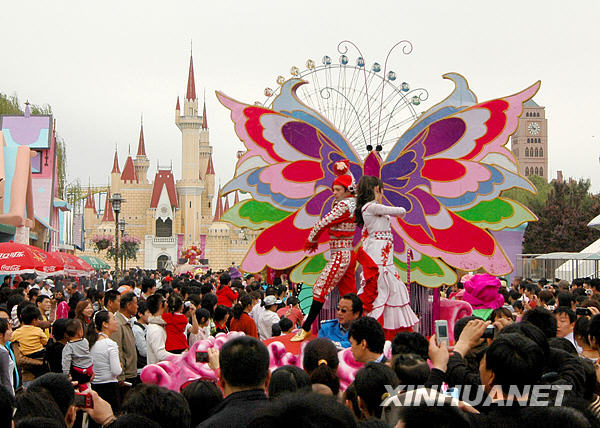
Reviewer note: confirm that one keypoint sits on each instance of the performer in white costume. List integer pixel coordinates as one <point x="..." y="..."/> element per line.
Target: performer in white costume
<point x="384" y="295"/>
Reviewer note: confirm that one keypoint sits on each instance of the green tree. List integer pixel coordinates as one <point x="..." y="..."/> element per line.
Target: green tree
<point x="563" y="219"/>
<point x="61" y="166"/>
<point x="533" y="201"/>
<point x="9" y="105"/>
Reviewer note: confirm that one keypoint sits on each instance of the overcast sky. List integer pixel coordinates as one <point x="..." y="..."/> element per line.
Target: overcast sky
<point x="102" y="64"/>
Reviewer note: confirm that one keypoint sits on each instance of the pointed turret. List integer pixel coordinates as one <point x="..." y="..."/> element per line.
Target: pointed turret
<point x="226" y="208"/>
<point x="108" y="209"/>
<point x="236" y="198"/>
<point x="129" y="171"/>
<point x="204" y="120"/>
<point x="141" y="162"/>
<point x="210" y="169"/>
<point x="115" y="168"/>
<point x="219" y="210"/>
<point x="90" y="202"/>
<point x="177" y="110"/>
<point x="191" y="84"/>
<point x="141" y="151"/>
<point x="115" y="175"/>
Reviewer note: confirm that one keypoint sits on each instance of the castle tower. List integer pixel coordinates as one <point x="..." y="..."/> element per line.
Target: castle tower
<point x="108" y="210"/>
<point x="90" y="215"/>
<point x="190" y="123"/>
<point x="141" y="162"/>
<point x="207" y="196"/>
<point x="115" y="174"/>
<point x="190" y="187"/>
<point x="219" y="209"/>
<point x="529" y="144"/>
<point x="205" y="148"/>
<point x="129" y="172"/>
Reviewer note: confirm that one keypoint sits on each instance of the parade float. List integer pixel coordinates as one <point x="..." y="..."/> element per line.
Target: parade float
<point x="446" y="164"/>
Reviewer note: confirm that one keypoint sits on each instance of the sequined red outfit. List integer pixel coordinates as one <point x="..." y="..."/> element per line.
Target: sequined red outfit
<point x="339" y="271"/>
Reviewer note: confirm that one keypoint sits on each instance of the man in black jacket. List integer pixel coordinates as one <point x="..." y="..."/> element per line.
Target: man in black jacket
<point x="244" y="363"/>
<point x="74" y="297"/>
<point x="104" y="283"/>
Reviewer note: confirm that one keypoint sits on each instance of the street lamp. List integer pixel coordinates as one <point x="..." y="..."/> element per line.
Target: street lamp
<point x="116" y="201"/>
<point x="122" y="225"/>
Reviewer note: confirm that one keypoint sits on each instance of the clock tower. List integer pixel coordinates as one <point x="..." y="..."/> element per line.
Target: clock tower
<point x="529" y="144"/>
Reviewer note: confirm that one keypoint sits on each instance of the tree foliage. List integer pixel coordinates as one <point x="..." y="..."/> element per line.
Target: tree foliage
<point x="563" y="218"/>
<point x="533" y="201"/>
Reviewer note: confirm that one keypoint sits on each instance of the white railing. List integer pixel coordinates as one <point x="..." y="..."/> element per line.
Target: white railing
<point x="169" y="240"/>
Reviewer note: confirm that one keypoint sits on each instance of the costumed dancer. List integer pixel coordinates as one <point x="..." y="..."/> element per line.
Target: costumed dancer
<point x="384" y="295"/>
<point x="339" y="222"/>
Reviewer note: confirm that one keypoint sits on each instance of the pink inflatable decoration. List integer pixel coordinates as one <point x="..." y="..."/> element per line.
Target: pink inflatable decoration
<point x="179" y="369"/>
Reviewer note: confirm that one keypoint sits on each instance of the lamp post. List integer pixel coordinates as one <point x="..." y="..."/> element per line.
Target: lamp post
<point x="116" y="201"/>
<point x="122" y="225"/>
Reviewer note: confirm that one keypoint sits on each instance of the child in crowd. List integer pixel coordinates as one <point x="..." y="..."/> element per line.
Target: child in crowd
<point x="203" y="317"/>
<point x="76" y="357"/>
<point x="31" y="338"/>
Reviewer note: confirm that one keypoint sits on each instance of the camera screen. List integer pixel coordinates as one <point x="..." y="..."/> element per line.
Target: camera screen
<point x="83" y="400"/>
<point x="202" y="357"/>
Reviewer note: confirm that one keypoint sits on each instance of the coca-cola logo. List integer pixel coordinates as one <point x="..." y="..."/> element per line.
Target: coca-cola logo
<point x="49" y="268"/>
<point x="12" y="255"/>
<point x="10" y="268"/>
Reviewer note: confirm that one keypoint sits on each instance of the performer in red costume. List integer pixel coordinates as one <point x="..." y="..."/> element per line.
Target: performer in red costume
<point x="339" y="222"/>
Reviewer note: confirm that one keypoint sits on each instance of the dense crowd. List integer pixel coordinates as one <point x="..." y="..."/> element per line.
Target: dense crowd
<point x="71" y="355"/>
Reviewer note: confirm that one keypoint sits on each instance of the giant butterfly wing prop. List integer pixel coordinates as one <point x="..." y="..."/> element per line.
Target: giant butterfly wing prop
<point x="447" y="170"/>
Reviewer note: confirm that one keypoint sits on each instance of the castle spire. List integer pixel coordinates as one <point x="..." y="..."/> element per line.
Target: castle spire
<point x="89" y="200"/>
<point x="210" y="169"/>
<point x="191" y="85"/>
<point x="177" y="108"/>
<point x="236" y="198"/>
<point x="204" y="120"/>
<point x="115" y="168"/>
<point x="219" y="210"/>
<point x="141" y="151"/>
<point x="108" y="208"/>
<point x="226" y="204"/>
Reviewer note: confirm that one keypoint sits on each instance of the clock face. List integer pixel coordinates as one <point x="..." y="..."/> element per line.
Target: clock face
<point x="534" y="128"/>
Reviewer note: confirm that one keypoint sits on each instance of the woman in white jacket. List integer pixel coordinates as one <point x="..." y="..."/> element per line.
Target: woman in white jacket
<point x="384" y="295"/>
<point x="105" y="355"/>
<point x="156" y="335"/>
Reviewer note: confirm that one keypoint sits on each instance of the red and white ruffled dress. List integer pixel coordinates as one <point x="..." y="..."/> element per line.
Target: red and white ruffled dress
<point x="384" y="295"/>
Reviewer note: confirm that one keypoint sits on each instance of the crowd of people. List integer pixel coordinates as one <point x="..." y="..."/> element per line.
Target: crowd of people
<point x="71" y="355"/>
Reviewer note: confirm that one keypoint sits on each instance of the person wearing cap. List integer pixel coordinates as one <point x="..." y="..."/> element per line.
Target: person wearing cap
<point x="268" y="317"/>
<point x="46" y="285"/>
<point x="340" y="225"/>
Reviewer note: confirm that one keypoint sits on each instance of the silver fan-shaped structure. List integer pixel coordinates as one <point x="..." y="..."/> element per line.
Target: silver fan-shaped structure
<point x="369" y="105"/>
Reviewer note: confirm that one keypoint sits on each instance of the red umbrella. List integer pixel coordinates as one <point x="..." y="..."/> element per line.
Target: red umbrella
<point x="74" y="265"/>
<point x="21" y="258"/>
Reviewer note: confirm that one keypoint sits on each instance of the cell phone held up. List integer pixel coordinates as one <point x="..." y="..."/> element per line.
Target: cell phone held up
<point x="84" y="401"/>
<point x="583" y="312"/>
<point x="441" y="332"/>
<point x="202" y="357"/>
